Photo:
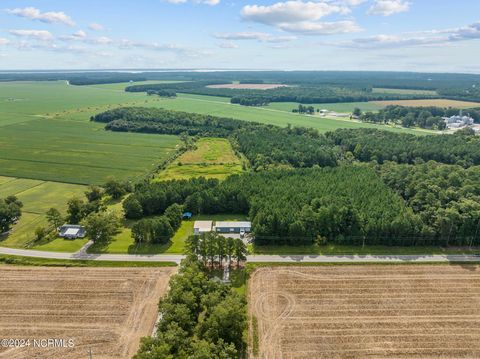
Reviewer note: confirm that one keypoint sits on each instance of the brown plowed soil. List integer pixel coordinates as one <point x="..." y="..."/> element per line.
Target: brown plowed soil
<point x="105" y="310"/>
<point x="417" y="311"/>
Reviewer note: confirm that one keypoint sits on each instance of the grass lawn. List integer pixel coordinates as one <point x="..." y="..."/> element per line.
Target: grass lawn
<point x="123" y="242"/>
<point x="37" y="197"/>
<point x="332" y="249"/>
<point x="213" y="158"/>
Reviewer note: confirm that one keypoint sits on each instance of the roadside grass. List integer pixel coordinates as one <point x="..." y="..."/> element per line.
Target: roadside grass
<point x="332" y="249"/>
<point x="212" y="158"/>
<point x="30" y="261"/>
<point x="60" y="245"/>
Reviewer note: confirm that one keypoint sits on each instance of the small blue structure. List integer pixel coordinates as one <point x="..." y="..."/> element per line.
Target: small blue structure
<point x="187" y="215"/>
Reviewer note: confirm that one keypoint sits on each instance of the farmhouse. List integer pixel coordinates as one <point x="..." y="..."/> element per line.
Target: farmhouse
<point x="202" y="227"/>
<point x="233" y="227"/>
<point x="71" y="231"/>
<point x="458" y="121"/>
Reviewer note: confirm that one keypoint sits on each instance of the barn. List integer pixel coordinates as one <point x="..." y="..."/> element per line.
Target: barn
<point x="233" y="227"/>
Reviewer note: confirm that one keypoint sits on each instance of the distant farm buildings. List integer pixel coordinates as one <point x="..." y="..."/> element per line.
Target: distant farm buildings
<point x="71" y="231"/>
<point x="458" y="121"/>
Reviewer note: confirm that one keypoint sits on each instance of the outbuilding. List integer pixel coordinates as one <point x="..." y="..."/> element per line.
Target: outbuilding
<point x="71" y="231"/>
<point x="200" y="227"/>
<point x="233" y="227"/>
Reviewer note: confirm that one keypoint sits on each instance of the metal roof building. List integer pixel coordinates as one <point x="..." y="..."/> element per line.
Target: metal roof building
<point x="233" y="227"/>
<point x="202" y="226"/>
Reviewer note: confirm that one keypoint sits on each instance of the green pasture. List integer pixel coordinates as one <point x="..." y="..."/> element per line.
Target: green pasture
<point x="212" y="158"/>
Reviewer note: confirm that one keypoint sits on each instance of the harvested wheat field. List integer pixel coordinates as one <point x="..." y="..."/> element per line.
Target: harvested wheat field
<point x="429" y="102"/>
<point x="403" y="311"/>
<point x="106" y="310"/>
<point x="247" y="86"/>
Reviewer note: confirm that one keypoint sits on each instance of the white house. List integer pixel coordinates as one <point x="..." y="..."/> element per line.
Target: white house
<point x="71" y="231"/>
<point x="200" y="227"/>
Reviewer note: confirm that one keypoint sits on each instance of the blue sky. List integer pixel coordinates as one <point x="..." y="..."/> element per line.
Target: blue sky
<point x="390" y="35"/>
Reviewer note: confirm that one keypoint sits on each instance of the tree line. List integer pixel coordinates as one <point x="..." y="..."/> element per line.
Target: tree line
<point x="10" y="212"/>
<point x="368" y="145"/>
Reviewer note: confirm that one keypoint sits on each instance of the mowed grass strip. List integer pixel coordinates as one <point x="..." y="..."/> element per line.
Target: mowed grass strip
<point x="346" y="107"/>
<point x="78" y="152"/>
<point x="213" y="158"/>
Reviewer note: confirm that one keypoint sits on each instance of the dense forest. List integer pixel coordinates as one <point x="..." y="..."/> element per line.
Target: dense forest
<point x="447" y="198"/>
<point x="375" y="145"/>
<point x="470" y="93"/>
<point x="423" y="117"/>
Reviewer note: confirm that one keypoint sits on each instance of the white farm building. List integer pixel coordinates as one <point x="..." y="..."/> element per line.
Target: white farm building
<point x="200" y="227"/>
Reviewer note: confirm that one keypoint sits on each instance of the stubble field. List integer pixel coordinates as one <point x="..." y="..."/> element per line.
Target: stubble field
<point x="403" y="311"/>
<point x="105" y="310"/>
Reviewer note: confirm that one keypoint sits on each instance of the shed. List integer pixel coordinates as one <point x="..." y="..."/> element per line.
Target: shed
<point x="202" y="227"/>
<point x="187" y="215"/>
<point x="233" y="227"/>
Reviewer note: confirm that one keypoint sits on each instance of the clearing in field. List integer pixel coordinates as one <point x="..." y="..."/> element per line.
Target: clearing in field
<point x="426" y="103"/>
<point x="37" y="197"/>
<point x="212" y="158"/>
<point x="105" y="310"/>
<point x="247" y="86"/>
<point x="401" y="311"/>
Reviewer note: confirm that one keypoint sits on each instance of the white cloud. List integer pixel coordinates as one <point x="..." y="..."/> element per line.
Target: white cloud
<point x="248" y="35"/>
<point x="96" y="27"/>
<point x="422" y="38"/>
<point x="205" y="2"/>
<point x="103" y="40"/>
<point x="388" y="7"/>
<point x="4" y="41"/>
<point x="303" y="17"/>
<point x="42" y="35"/>
<point x="228" y="45"/>
<point x="47" y="17"/>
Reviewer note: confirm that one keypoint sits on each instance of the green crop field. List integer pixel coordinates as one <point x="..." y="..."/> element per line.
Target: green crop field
<point x="213" y="158"/>
<point x="37" y="197"/>
<point x="46" y="136"/>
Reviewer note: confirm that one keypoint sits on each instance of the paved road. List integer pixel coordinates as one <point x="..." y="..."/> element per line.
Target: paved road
<point x="82" y="255"/>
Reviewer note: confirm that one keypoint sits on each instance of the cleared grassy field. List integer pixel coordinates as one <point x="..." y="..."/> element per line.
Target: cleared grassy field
<point x="404" y="91"/>
<point x="38" y="197"/>
<point x="400" y="311"/>
<point x="213" y="158"/>
<point x="346" y="107"/>
<point x="105" y="310"/>
<point x="432" y="102"/>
